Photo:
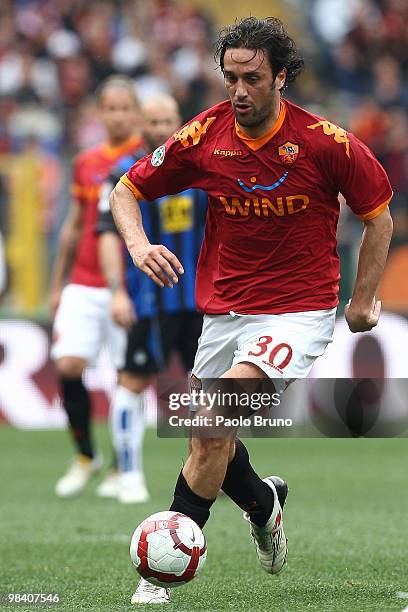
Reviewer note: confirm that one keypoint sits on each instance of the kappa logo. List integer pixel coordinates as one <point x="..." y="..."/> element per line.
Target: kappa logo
<point x="158" y="156"/>
<point x="261" y="187"/>
<point x="227" y="152"/>
<point x="329" y="129"/>
<point x="192" y="133"/>
<point x="288" y="152"/>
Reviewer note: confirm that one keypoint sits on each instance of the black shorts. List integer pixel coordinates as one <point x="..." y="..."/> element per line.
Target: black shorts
<point x="152" y="341"/>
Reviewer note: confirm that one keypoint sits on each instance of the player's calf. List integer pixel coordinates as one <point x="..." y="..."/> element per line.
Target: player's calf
<point x="243" y="485"/>
<point x="206" y="465"/>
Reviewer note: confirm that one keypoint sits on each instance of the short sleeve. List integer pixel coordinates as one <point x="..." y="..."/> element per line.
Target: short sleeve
<point x="168" y="170"/>
<point x="359" y="177"/>
<point x="174" y="166"/>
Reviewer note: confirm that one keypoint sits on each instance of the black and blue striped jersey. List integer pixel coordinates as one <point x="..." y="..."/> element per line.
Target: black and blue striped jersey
<point x="177" y="222"/>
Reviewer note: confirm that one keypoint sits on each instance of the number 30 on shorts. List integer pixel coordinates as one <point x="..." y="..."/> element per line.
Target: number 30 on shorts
<point x="282" y="349"/>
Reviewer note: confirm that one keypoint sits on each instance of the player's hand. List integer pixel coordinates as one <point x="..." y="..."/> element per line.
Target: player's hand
<point x="158" y="263"/>
<point x="361" y="321"/>
<point x="122" y="309"/>
<point x="54" y="299"/>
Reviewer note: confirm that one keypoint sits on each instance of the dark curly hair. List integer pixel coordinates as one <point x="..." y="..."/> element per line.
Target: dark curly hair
<point x="268" y="34"/>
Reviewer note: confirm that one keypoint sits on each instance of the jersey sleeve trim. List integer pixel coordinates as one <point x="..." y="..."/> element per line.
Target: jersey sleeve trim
<point x="377" y="211"/>
<point x="128" y="183"/>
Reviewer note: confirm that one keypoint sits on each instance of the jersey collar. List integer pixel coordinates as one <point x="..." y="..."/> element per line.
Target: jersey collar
<point x="257" y="143"/>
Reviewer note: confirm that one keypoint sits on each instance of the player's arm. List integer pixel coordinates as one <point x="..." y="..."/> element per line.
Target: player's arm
<point x="155" y="260"/>
<point x="70" y="234"/>
<point x="111" y="260"/>
<point x="170" y="169"/>
<point x="363" y="311"/>
<point x="359" y="176"/>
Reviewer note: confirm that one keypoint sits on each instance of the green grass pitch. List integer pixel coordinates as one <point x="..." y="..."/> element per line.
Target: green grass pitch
<point x="346" y="520"/>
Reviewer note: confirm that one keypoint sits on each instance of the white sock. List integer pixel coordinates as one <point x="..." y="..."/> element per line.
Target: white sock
<point x="127" y="426"/>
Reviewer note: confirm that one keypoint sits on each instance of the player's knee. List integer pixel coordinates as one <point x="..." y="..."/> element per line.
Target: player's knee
<point x="204" y="450"/>
<point x="70" y="367"/>
<point x="135" y="383"/>
<point x="244" y="369"/>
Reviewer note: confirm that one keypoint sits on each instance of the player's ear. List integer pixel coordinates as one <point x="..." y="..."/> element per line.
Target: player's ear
<point x="280" y="79"/>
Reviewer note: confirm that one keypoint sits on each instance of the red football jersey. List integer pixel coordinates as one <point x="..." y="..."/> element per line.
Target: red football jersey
<point x="270" y="240"/>
<point x="90" y="170"/>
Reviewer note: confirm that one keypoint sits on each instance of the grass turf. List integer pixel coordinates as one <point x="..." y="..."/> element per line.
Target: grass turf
<point x="346" y="520"/>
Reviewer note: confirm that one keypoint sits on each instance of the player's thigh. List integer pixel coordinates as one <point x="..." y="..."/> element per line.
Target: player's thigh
<point x="190" y="325"/>
<point x="216" y="346"/>
<point x="78" y="326"/>
<point x="285" y="346"/>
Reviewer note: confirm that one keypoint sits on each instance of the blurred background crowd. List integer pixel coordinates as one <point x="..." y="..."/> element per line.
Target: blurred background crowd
<point x="53" y="54"/>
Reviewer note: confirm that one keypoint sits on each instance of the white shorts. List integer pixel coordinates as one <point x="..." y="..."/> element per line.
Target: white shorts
<point x="83" y="325"/>
<point x="283" y="346"/>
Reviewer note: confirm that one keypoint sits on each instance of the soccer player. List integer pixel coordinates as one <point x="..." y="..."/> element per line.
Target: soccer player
<point x="81" y="309"/>
<point x="167" y="320"/>
<point x="268" y="273"/>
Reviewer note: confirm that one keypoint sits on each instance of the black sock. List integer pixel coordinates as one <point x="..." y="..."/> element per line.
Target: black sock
<point x="189" y="503"/>
<point x="243" y="485"/>
<point x="78" y="407"/>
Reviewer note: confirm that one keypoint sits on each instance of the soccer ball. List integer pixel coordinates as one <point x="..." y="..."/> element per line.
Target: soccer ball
<point x="168" y="549"/>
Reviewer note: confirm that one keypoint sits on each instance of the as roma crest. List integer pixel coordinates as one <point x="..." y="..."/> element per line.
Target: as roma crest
<point x="288" y="152"/>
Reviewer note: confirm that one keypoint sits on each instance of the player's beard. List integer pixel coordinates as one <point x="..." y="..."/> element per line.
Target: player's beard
<point x="256" y="117"/>
<point x="252" y="119"/>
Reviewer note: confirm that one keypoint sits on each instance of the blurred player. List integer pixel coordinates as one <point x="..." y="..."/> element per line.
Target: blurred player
<point x="167" y="320"/>
<point x="268" y="274"/>
<point x="82" y="308"/>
